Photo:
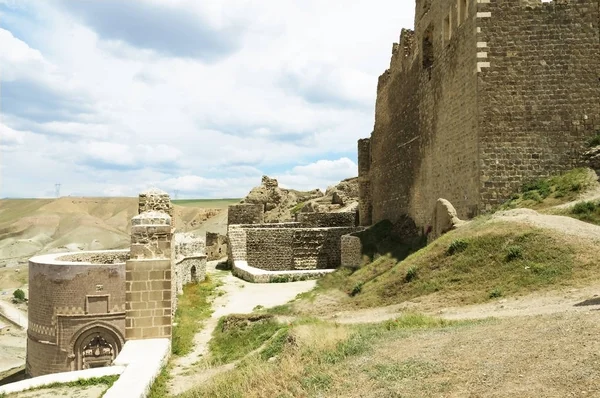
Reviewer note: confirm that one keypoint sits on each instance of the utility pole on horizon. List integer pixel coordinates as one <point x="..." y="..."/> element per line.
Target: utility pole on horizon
<point x="57" y="190"/>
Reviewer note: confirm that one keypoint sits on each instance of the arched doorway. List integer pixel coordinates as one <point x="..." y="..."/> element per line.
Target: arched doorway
<point x="96" y="347"/>
<point x="193" y="274"/>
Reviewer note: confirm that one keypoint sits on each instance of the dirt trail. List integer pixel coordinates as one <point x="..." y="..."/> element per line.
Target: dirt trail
<point x="239" y="297"/>
<point x="559" y="301"/>
<point x="566" y="225"/>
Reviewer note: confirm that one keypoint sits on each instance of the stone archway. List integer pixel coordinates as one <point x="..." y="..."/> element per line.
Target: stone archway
<point x="95" y="347"/>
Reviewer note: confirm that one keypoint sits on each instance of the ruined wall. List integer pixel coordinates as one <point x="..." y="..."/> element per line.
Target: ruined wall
<point x="155" y="200"/>
<point x="72" y="295"/>
<point x="245" y="214"/>
<point x="539" y="90"/>
<point x="279" y="249"/>
<point x="216" y="246"/>
<point x="424" y="144"/>
<point x="189" y="263"/>
<point x="318" y="220"/>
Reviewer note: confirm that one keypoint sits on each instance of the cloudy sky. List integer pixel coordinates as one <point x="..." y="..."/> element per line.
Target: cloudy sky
<point x="110" y="97"/>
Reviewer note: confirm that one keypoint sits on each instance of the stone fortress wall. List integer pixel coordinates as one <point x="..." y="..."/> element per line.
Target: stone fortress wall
<point x="84" y="306"/>
<point x="481" y="97"/>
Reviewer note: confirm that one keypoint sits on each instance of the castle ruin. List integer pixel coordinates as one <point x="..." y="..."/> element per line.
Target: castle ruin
<point x="483" y="96"/>
<point x="84" y="306"/>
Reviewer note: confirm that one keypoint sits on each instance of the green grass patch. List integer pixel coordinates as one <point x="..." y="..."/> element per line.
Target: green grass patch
<point x="107" y="381"/>
<point x="193" y="307"/>
<point x="238" y="335"/>
<point x="296" y="209"/>
<point x="551" y="191"/>
<point x="160" y="388"/>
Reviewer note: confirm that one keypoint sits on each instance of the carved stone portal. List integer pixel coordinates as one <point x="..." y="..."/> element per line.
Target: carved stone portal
<point x="97" y="353"/>
<point x="95" y="348"/>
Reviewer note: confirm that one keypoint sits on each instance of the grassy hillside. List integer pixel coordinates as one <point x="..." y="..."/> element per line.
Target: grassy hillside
<point x="482" y="261"/>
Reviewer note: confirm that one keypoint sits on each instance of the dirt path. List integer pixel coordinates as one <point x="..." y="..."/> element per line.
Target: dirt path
<point x="13" y="314"/>
<point x="569" y="300"/>
<point x="239" y="297"/>
<point x="566" y="225"/>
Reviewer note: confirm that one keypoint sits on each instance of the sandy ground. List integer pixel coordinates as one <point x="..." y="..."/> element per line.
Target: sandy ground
<point x="239" y="297"/>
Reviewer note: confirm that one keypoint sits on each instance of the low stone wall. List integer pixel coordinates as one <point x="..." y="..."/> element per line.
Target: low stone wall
<point x="242" y="270"/>
<point x="279" y="249"/>
<point x="322" y="220"/>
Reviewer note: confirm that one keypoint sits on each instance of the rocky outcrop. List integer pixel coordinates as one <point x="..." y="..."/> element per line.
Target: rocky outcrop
<point x="444" y="219"/>
<point x="592" y="158"/>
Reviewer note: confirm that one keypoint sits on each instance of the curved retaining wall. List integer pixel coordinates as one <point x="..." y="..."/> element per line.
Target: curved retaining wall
<point x="76" y="310"/>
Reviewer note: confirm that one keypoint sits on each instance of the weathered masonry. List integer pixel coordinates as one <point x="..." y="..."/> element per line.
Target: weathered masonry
<point x="481" y="97"/>
<point x="84" y="306"/>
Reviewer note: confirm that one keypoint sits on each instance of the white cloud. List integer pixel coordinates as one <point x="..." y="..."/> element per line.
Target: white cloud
<point x="320" y="174"/>
<point x="116" y="116"/>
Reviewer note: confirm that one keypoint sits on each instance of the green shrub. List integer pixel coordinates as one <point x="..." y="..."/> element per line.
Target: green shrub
<point x="595" y="140"/>
<point x="542" y="187"/>
<point x="584" y="208"/>
<point x="19" y="295"/>
<point x="356" y="289"/>
<point x="411" y="274"/>
<point x="514" y="253"/>
<point x="533" y="195"/>
<point x="457" y="246"/>
<point x="495" y="293"/>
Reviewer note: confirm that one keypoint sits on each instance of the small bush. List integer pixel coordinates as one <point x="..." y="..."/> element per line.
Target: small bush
<point x="457" y="246"/>
<point x="595" y="140"/>
<point x="514" y="253"/>
<point x="495" y="293"/>
<point x="356" y="289"/>
<point x="584" y="208"/>
<point x="411" y="274"/>
<point x="19" y="295"/>
<point x="533" y="195"/>
<point x="542" y="187"/>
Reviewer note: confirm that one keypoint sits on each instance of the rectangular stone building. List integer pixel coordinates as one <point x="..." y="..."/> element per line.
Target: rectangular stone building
<point x="481" y="97"/>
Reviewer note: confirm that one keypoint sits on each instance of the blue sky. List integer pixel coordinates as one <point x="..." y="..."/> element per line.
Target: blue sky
<point x="110" y="97"/>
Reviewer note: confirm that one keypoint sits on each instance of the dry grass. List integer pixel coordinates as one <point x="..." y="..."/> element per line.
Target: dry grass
<point x="426" y="358"/>
<point x="312" y="362"/>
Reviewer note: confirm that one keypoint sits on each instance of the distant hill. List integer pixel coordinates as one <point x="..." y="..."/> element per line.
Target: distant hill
<point x="34" y="226"/>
